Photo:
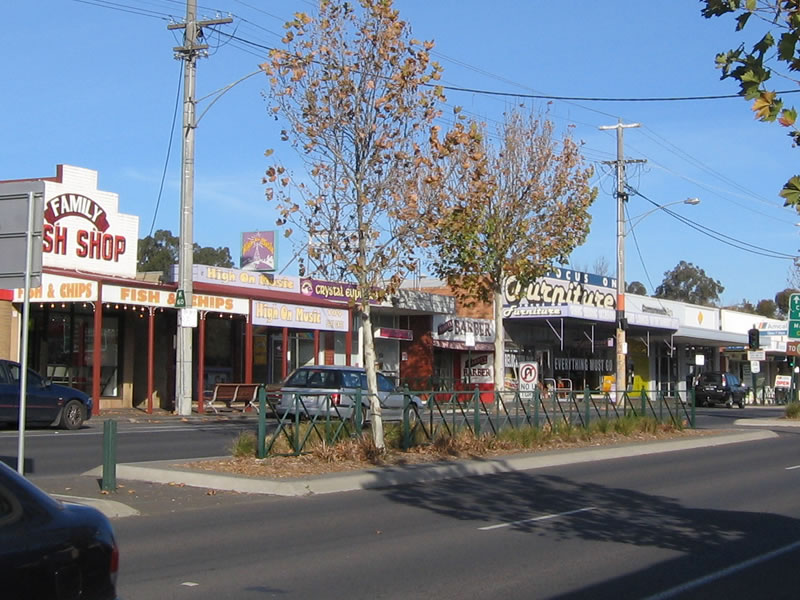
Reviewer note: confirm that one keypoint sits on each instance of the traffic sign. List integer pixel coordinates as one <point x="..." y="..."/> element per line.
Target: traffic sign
<point x="794" y="316"/>
<point x="180" y="299"/>
<point x="528" y="379"/>
<point x="794" y="307"/>
<point x="756" y="355"/>
<point x="793" y="348"/>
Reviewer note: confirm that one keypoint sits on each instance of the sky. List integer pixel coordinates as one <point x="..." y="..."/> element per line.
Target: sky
<point x="94" y="83"/>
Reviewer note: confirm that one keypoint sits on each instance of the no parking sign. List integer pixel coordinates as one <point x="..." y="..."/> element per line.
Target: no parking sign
<point x="528" y="379"/>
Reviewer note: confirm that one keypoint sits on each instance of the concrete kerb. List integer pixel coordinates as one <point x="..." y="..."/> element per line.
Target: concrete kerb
<point x="110" y="508"/>
<point x="768" y="422"/>
<point x="171" y="472"/>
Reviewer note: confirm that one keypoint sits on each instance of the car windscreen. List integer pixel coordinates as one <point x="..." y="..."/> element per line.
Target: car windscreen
<point x="314" y="378"/>
<point x="711" y="378"/>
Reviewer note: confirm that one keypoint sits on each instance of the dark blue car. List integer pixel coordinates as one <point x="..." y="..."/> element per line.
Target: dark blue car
<point x="46" y="404"/>
<point x="51" y="550"/>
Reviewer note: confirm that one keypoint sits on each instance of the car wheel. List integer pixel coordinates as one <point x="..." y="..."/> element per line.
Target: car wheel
<point x="741" y="403"/>
<point x="728" y="402"/>
<point x="412" y="415"/>
<point x="72" y="416"/>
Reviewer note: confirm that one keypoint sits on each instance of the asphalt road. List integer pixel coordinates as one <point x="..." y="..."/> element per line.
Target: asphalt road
<point x="710" y="523"/>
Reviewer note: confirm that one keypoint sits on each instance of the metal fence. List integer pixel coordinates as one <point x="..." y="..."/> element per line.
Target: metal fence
<point x="447" y="412"/>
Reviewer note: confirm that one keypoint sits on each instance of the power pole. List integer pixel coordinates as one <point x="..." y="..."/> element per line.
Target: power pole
<point x="189" y="52"/>
<point x="622" y="196"/>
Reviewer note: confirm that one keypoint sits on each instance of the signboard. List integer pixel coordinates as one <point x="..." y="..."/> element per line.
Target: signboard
<point x="528" y="379"/>
<point x="755" y="366"/>
<point x="83" y="228"/>
<point x="756" y="355"/>
<point x="793" y="348"/>
<point x="258" y="251"/>
<point x="783" y="381"/>
<point x="56" y="288"/>
<point x="794" y="316"/>
<point x="279" y="314"/>
<point x="14" y="215"/>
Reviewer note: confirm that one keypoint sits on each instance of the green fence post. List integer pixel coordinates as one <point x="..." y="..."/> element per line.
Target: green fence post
<point x="406" y="424"/>
<point x="476" y="411"/>
<point x="537" y="397"/>
<point x="296" y="441"/>
<point x="109" y="483"/>
<point x="587" y="400"/>
<point x="262" y="422"/>
<point x="690" y="395"/>
<point x="643" y="396"/>
<point x="358" y="409"/>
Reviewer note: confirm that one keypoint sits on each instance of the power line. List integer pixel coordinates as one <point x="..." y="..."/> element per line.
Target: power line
<point x="169" y="147"/>
<point x="720" y="237"/>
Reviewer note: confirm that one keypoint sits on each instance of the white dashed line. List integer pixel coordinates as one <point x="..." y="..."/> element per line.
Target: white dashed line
<point x="533" y="519"/>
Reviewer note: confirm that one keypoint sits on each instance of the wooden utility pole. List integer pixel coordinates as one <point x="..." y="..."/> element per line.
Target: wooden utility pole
<point x="189" y="52"/>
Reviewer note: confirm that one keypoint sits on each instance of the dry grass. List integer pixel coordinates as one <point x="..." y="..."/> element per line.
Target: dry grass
<point x="358" y="453"/>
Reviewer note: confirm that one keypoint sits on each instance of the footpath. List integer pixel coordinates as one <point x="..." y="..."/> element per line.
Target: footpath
<point x="148" y="485"/>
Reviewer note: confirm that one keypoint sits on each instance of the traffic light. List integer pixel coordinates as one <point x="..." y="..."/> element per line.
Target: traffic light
<point x="752" y="339"/>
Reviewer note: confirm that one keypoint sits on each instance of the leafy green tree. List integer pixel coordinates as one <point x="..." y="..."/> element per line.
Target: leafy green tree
<point x="767" y="308"/>
<point x="689" y="283"/>
<point x="215" y="257"/>
<point x="636" y="287"/>
<point x="159" y="252"/>
<point x="782" y="301"/>
<point x="511" y="209"/>
<point x="357" y="93"/>
<point x="776" y="52"/>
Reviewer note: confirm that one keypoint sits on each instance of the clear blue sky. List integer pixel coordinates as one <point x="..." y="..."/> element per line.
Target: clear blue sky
<point x="95" y="87"/>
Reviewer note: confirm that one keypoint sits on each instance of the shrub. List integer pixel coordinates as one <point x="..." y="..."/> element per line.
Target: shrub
<point x="793" y="410"/>
<point x="244" y="445"/>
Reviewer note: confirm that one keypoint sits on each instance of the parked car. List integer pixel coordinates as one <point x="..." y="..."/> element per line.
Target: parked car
<point x="51" y="549"/>
<point x="333" y="390"/>
<point x="46" y="403"/>
<point x="714" y="387"/>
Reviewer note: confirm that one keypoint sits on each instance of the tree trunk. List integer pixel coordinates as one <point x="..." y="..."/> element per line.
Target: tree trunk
<point x="499" y="343"/>
<point x="372" y="379"/>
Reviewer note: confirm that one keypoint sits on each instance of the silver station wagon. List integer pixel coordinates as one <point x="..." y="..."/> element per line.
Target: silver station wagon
<point x="332" y="391"/>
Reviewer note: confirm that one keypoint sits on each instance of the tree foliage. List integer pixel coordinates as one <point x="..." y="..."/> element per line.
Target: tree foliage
<point x="160" y="251"/>
<point x="356" y="92"/>
<point x="767" y="308"/>
<point x="515" y="208"/>
<point x="753" y="68"/>
<point x="689" y="283"/>
<point x="782" y="300"/>
<point x="636" y="287"/>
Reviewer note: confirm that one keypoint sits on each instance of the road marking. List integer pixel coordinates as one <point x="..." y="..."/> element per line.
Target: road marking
<point x="792" y="468"/>
<point x="542" y="518"/>
<point x="695" y="583"/>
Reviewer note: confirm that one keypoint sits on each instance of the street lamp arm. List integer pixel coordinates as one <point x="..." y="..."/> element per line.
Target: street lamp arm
<point x="638" y="219"/>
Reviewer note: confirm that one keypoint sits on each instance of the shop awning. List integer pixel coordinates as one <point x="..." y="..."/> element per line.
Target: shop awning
<point x="709" y="337"/>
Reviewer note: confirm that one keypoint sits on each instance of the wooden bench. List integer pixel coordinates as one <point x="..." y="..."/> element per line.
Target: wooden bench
<point x="228" y="393"/>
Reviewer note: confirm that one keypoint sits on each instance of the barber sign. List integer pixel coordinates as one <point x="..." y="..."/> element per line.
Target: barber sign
<point x="528" y="379"/>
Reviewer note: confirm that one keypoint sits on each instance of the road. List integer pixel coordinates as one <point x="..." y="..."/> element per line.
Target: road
<point x="710" y="523"/>
<point x="56" y="452"/>
<point x="718" y="522"/>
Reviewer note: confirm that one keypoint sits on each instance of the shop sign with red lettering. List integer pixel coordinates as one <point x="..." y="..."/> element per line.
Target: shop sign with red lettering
<point x="56" y="288"/>
<point x="83" y="228"/>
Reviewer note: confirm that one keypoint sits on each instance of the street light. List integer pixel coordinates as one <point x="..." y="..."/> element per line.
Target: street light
<point x="639" y="218"/>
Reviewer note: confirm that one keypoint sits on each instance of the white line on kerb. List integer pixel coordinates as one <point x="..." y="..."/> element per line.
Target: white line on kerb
<point x="542" y="518"/>
<point x="793" y="468"/>
<point x="690" y="585"/>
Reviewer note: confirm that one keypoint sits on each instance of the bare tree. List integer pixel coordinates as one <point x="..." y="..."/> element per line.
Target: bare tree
<point x="357" y="93"/>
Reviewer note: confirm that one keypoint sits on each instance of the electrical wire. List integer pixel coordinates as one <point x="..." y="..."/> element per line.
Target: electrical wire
<point x="712" y="233"/>
<point x="169" y="147"/>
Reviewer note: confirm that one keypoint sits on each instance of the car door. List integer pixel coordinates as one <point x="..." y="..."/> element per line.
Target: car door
<point x="40" y="406"/>
<point x="9" y="396"/>
<point x="391" y="399"/>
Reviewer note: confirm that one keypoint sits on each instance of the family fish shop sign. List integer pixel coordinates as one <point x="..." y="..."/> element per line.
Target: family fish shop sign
<point x="83" y="229"/>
